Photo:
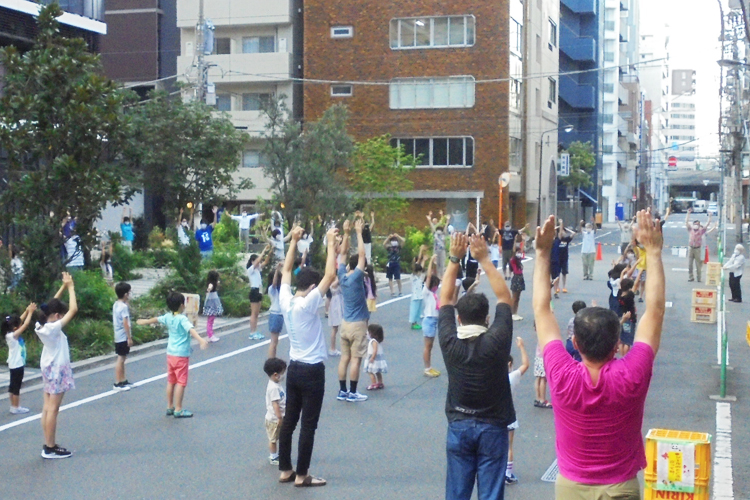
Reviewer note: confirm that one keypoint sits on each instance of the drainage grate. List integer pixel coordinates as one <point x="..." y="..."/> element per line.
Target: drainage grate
<point x="551" y="475"/>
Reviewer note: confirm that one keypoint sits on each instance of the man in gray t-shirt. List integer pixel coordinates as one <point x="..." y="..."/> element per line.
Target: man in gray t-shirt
<point x="353" y="328"/>
<point x="123" y="337"/>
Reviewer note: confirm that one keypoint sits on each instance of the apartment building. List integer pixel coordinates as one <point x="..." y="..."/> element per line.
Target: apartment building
<point x="436" y="77"/>
<point x="541" y="103"/>
<point x="681" y="120"/>
<point x="580" y="87"/>
<point x="255" y="55"/>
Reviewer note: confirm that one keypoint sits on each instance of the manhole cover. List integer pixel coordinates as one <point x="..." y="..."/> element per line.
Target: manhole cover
<point x="551" y="475"/>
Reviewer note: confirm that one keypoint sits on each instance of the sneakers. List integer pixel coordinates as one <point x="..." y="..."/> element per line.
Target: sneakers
<point x="431" y="372"/>
<point x="18" y="410"/>
<point x="640" y="299"/>
<point x="416" y="326"/>
<point x="121" y="386"/>
<point x="170" y="412"/>
<point x="511" y="478"/>
<point x="213" y="339"/>
<point x="334" y="353"/>
<point x="565" y="290"/>
<point x="55" y="452"/>
<point x="183" y="414"/>
<point x="273" y="460"/>
<point x="256" y="336"/>
<point x="557" y="295"/>
<point x="355" y="397"/>
<point x="342" y="396"/>
<point x="516" y="317"/>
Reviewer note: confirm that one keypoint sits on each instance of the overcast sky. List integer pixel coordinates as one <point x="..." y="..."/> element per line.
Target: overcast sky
<point x="694" y="28"/>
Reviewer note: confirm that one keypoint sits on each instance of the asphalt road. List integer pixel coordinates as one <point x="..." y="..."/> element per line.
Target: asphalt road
<point x="390" y="447"/>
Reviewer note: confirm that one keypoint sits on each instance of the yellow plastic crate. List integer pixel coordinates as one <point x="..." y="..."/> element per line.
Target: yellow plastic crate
<point x="702" y="442"/>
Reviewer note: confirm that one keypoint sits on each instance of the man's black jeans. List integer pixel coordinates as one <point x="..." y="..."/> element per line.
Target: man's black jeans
<point x="305" y="387"/>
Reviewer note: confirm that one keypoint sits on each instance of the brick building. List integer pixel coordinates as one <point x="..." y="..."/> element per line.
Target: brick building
<point x="431" y="60"/>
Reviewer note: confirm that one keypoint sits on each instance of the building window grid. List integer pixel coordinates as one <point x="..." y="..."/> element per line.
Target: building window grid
<point x="342" y="90"/>
<point x="252" y="159"/>
<point x="223" y="102"/>
<point x="258" y="44"/>
<point x="432" y="93"/>
<point x="254" y="101"/>
<point x="552" y="34"/>
<point x="516" y="93"/>
<point x="516" y="37"/>
<point x="423" y="32"/>
<point x="439" y="152"/>
<point x="552" y="92"/>
<point x="342" y="31"/>
<point x="222" y="46"/>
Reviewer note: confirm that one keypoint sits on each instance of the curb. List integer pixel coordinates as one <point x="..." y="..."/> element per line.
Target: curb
<point x="105" y="359"/>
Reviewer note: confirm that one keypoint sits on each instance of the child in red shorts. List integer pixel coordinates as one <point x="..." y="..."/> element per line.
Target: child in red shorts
<point x="178" y="352"/>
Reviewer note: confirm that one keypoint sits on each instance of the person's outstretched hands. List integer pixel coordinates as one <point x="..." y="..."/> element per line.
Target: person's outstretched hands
<point x="332" y="235"/>
<point x="347" y="226"/>
<point x="478" y="247"/>
<point x="649" y="234"/>
<point x="358" y="225"/>
<point x="297" y="233"/>
<point x="545" y="235"/>
<point x="459" y="242"/>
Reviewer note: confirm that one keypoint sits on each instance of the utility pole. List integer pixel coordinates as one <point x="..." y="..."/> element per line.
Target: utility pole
<point x="200" y="42"/>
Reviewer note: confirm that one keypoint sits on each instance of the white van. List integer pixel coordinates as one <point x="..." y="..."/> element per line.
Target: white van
<point x="699" y="206"/>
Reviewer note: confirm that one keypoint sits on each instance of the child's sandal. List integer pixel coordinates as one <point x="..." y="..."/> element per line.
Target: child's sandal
<point x="372" y="387"/>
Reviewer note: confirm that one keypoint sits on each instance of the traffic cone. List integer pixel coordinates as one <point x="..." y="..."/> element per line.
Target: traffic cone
<point x="599" y="255"/>
<point x="705" y="261"/>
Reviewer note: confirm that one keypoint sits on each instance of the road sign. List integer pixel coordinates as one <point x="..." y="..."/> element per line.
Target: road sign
<point x="672" y="161"/>
<point x="563" y="165"/>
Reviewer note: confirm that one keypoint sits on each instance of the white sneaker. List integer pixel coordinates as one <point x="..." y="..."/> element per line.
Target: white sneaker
<point x="18" y="410"/>
<point x="355" y="397"/>
<point x="516" y="317"/>
<point x="334" y="353"/>
<point x="120" y="387"/>
<point x="213" y="339"/>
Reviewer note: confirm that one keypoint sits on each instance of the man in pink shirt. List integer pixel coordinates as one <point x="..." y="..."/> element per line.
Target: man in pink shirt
<point x="598" y="403"/>
<point x="695" y="243"/>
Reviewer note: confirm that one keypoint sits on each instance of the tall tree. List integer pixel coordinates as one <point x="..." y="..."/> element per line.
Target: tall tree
<point x="582" y="162"/>
<point x="62" y="126"/>
<point x="307" y="167"/>
<point x="185" y="152"/>
<point x="378" y="174"/>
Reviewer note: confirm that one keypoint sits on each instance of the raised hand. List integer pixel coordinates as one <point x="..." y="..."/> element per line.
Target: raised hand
<point x="478" y="247"/>
<point x="297" y="233"/>
<point x="459" y="243"/>
<point x="545" y="235"/>
<point x="519" y="342"/>
<point x="347" y="226"/>
<point x="649" y="234"/>
<point x="332" y="235"/>
<point x="67" y="280"/>
<point x="358" y="225"/>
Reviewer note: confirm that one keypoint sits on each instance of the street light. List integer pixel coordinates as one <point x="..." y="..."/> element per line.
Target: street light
<point x="567" y="130"/>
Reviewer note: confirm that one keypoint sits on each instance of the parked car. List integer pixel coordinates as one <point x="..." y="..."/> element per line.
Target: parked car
<point x="713" y="208"/>
<point x="699" y="206"/>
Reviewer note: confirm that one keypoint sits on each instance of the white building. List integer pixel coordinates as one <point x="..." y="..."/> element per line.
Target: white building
<point x="542" y="57"/>
<point x="253" y="58"/>
<point x="620" y="107"/>
<point x="681" y="119"/>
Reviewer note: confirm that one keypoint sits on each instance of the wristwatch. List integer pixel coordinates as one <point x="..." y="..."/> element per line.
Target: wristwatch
<point x="454" y="259"/>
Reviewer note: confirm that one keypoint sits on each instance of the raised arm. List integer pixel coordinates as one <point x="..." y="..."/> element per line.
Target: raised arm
<point x="547" y="329"/>
<point x="429" y="219"/>
<point x="26" y="318"/>
<point x="286" y="273"/>
<point x="330" y="273"/>
<point x="524" y="356"/>
<point x="122" y="219"/>
<point x="480" y="252"/>
<point x="650" y="327"/>
<point x="72" y="303"/>
<point x="201" y="341"/>
<point x="362" y="260"/>
<point x="687" y="218"/>
<point x="372" y="221"/>
<point x="457" y="251"/>
<point x="146" y="322"/>
<point x="214" y="211"/>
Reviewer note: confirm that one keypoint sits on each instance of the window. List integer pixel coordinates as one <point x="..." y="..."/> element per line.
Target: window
<point x="254" y="101"/>
<point x="516" y="152"/>
<point x="341" y="90"/>
<point x="222" y="46"/>
<point x="426" y="32"/>
<point x="439" y="151"/>
<point x="342" y="32"/>
<point x="429" y="93"/>
<point x="552" y="34"/>
<point x="552" y="92"/>
<point x="516" y="37"/>
<point x="252" y="159"/>
<point x="515" y="93"/>
<point x="223" y="102"/>
<point x="538" y="48"/>
<point x="258" y="44"/>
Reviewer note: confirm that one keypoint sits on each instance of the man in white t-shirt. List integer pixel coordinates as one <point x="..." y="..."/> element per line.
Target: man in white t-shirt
<point x="305" y="381"/>
<point x="244" y="219"/>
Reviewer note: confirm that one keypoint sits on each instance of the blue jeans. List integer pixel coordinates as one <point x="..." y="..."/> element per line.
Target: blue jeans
<point x="476" y="450"/>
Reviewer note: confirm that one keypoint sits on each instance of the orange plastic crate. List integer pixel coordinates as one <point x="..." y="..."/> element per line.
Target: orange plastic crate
<point x="702" y="442"/>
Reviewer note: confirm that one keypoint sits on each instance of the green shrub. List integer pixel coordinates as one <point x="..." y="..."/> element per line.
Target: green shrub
<point x="162" y="257"/>
<point x="42" y="261"/>
<point x="94" y="296"/>
<point x="227" y="230"/>
<point x="156" y="238"/>
<point x="124" y="262"/>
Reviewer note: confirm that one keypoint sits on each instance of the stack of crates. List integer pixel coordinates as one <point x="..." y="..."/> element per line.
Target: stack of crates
<point x="713" y="274"/>
<point x="702" y="443"/>
<point x="704" y="305"/>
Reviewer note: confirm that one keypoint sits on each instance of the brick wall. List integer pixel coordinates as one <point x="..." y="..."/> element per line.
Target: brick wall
<point x="368" y="57"/>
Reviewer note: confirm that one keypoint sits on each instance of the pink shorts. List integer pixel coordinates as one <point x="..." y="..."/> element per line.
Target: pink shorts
<point x="177" y="370"/>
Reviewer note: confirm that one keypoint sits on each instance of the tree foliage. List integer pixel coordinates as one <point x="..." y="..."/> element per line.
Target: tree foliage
<point x="378" y="174"/>
<point x="63" y="127"/>
<point x="185" y="152"/>
<point x="582" y="163"/>
<point x="307" y="167"/>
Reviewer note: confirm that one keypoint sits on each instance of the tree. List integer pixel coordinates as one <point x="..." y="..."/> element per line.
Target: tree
<point x="63" y="126"/>
<point x="185" y="152"/>
<point x="582" y="162"/>
<point x="378" y="173"/>
<point x="307" y="167"/>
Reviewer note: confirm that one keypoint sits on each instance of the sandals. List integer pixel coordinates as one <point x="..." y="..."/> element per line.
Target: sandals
<point x="373" y="387"/>
<point x="381" y="386"/>
<point x="310" y="481"/>
<point x="542" y="404"/>
<point x="289" y="479"/>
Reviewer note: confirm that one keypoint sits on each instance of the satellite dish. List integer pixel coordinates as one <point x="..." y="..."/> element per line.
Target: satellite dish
<point x="504" y="179"/>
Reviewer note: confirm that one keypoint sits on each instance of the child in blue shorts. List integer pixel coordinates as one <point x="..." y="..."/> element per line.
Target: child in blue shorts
<point x="430" y="317"/>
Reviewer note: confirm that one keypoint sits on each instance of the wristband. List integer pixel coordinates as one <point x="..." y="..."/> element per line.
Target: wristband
<point x="454" y="259"/>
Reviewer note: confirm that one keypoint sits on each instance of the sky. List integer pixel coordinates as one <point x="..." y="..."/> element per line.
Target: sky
<point x="694" y="27"/>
